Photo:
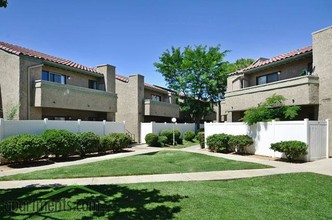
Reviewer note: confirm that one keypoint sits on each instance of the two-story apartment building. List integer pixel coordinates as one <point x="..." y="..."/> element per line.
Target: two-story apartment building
<point x="303" y="77"/>
<point x="44" y="86"/>
<point x="142" y="102"/>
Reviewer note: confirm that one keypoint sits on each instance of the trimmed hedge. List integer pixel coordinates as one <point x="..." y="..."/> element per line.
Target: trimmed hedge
<point x="240" y="142"/>
<point x="169" y="135"/>
<point x="291" y="149"/>
<point x="218" y="143"/>
<point x="189" y="135"/>
<point x="88" y="142"/>
<point x="120" y="141"/>
<point x="151" y="139"/>
<point x="60" y="142"/>
<point x="24" y="147"/>
<point x="162" y="141"/>
<point x="200" y="137"/>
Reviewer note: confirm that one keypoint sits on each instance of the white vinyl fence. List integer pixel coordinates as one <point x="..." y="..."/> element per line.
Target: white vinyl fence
<point x="12" y="127"/>
<point x="153" y="127"/>
<point x="313" y="133"/>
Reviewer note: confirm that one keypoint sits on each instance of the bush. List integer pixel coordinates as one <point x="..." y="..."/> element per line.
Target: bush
<point x="24" y="147"/>
<point x="60" y="142"/>
<point x="162" y="141"/>
<point x="88" y="142"/>
<point x="200" y="137"/>
<point x="291" y="149"/>
<point x="169" y="135"/>
<point x="240" y="142"/>
<point x="200" y="130"/>
<point x="218" y="143"/>
<point x="120" y="141"/>
<point x="151" y="139"/>
<point x="105" y="144"/>
<point x="189" y="135"/>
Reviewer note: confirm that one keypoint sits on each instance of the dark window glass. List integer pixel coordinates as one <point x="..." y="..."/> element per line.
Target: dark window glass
<point x="267" y="78"/>
<point x="156" y="98"/>
<point x="45" y="75"/>
<point x="92" y="84"/>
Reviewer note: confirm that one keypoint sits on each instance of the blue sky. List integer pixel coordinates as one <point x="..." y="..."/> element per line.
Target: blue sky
<point x="132" y="34"/>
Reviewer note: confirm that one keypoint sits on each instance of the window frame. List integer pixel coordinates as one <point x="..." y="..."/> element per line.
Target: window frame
<point x="51" y="77"/>
<point x="266" y="76"/>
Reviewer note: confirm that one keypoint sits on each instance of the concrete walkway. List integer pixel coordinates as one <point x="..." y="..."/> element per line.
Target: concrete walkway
<point x="321" y="167"/>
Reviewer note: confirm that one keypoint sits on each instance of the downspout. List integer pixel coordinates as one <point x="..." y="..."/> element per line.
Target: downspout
<point x="30" y="85"/>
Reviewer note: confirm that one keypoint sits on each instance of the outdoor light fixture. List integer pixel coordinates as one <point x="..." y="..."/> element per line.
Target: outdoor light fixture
<point x="173" y="120"/>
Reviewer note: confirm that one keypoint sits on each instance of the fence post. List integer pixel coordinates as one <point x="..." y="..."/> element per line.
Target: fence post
<point x="274" y="135"/>
<point x="45" y="123"/>
<point x="307" y="137"/>
<point x="104" y="127"/>
<point x="79" y="125"/>
<point x="2" y="128"/>
<point x="327" y="137"/>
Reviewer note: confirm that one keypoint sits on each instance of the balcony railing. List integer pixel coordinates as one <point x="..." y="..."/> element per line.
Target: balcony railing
<point x="55" y="95"/>
<point x="163" y="109"/>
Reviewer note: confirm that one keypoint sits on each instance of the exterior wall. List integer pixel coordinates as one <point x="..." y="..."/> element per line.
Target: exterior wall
<point x="73" y="114"/>
<point x="130" y="104"/>
<point x="109" y="77"/>
<point x="148" y="94"/>
<point x="163" y="109"/>
<point x="322" y="63"/>
<point x="9" y="83"/>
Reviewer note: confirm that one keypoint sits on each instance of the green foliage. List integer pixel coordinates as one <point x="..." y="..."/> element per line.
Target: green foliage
<point x="189" y="135"/>
<point x="60" y="142"/>
<point x="200" y="137"/>
<point x="291" y="149"/>
<point x="169" y="135"/>
<point x="24" y="147"/>
<point x="105" y="144"/>
<point x="199" y="74"/>
<point x="151" y="139"/>
<point x="272" y="108"/>
<point x="3" y="3"/>
<point x="162" y="141"/>
<point x="120" y="141"/>
<point x="240" y="142"/>
<point x="13" y="112"/>
<point x="218" y="143"/>
<point x="88" y="142"/>
<point x="240" y="64"/>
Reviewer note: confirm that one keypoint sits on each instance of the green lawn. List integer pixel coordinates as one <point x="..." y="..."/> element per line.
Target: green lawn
<point x="170" y="161"/>
<point x="186" y="144"/>
<point x="287" y="196"/>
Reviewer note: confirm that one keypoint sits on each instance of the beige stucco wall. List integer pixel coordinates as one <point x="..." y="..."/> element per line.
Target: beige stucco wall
<point x="322" y="62"/>
<point x="9" y="83"/>
<point x="163" y="109"/>
<point x="148" y="94"/>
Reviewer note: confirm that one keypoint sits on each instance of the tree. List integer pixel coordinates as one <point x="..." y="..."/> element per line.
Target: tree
<point x="197" y="74"/>
<point x="3" y="3"/>
<point x="272" y="108"/>
<point x="240" y="64"/>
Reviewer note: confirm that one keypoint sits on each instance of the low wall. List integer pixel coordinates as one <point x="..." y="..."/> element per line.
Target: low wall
<point x="313" y="133"/>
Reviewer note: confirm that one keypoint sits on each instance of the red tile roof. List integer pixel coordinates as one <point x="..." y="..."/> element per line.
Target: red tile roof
<point x="14" y="49"/>
<point x="126" y="80"/>
<point x="262" y="62"/>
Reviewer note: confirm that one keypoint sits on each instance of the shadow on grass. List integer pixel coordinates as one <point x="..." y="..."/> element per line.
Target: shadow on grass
<point x="80" y="202"/>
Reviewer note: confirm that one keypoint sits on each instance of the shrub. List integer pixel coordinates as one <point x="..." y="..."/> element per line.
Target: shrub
<point x="240" y="142"/>
<point x="24" y="147"/>
<point x="151" y="139"/>
<point x="291" y="149"/>
<point x="105" y="144"/>
<point x="162" y="141"/>
<point x="60" y="142"/>
<point x="200" y="137"/>
<point x="169" y="135"/>
<point x="200" y="130"/>
<point x="189" y="135"/>
<point x="120" y="141"/>
<point x="88" y="142"/>
<point x="218" y="143"/>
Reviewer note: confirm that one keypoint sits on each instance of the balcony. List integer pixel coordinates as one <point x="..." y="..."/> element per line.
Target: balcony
<point x="301" y="90"/>
<point x="163" y="109"/>
<point x="63" y="96"/>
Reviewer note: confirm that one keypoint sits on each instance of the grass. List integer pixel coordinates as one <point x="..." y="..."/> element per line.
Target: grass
<point x="186" y="144"/>
<point x="169" y="161"/>
<point x="286" y="196"/>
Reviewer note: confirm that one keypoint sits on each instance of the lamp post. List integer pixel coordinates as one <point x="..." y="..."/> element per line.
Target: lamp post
<point x="173" y="120"/>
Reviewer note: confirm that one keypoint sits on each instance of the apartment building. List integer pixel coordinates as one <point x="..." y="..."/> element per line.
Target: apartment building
<point x="141" y="102"/>
<point x="44" y="86"/>
<point x="303" y="77"/>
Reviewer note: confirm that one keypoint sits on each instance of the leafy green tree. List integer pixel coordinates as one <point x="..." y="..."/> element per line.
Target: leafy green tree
<point x="198" y="74"/>
<point x="3" y="3"/>
<point x="272" y="108"/>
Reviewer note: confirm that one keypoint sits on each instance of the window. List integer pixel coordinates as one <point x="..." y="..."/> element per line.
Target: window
<point x="267" y="78"/>
<point x="54" y="77"/>
<point x="156" y="98"/>
<point x="95" y="85"/>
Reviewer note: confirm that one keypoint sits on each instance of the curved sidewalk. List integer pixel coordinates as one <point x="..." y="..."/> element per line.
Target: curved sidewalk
<point x="321" y="167"/>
